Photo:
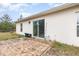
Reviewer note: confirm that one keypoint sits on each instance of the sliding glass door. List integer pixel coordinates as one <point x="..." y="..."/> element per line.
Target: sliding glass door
<point x="38" y="28"/>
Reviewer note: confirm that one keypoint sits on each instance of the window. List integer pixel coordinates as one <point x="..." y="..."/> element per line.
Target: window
<point x="21" y="27"/>
<point x="77" y="13"/>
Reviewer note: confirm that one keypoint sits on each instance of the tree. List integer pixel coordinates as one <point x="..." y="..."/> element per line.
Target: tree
<point x="21" y="17"/>
<point x="6" y="23"/>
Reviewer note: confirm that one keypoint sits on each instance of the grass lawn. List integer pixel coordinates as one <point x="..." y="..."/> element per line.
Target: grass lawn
<point x="8" y="35"/>
<point x="64" y="49"/>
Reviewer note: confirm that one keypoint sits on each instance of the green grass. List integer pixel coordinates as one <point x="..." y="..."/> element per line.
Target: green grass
<point x="64" y="49"/>
<point x="8" y="35"/>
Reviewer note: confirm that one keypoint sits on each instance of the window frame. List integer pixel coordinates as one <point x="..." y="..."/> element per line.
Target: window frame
<point x="77" y="24"/>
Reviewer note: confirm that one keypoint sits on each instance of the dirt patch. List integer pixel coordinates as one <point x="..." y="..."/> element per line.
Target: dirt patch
<point x="28" y="47"/>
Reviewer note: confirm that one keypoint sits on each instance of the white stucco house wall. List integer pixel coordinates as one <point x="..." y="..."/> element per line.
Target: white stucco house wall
<point x="59" y="23"/>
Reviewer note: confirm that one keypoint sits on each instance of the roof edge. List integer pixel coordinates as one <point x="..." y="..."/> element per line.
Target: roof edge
<point x="55" y="9"/>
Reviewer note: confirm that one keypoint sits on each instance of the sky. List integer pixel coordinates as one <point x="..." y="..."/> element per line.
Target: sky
<point x="14" y="10"/>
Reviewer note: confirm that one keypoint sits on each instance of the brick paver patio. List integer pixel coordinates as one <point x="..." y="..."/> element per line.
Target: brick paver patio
<point x="22" y="48"/>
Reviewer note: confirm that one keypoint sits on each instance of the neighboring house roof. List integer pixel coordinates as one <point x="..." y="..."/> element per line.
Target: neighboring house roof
<point x="55" y="9"/>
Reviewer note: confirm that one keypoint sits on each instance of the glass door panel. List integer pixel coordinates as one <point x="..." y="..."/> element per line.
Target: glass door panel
<point x="41" y="28"/>
<point x="35" y="28"/>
